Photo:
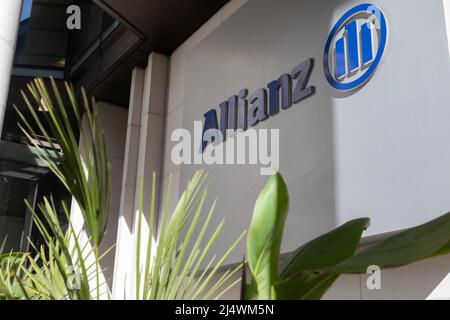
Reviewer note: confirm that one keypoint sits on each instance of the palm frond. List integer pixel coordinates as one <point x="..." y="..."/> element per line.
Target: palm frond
<point x="173" y="261"/>
<point x="10" y="269"/>
<point x="82" y="168"/>
<point x="172" y="266"/>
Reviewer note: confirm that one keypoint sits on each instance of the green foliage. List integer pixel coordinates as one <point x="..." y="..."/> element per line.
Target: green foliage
<point x="176" y="271"/>
<point x="65" y="267"/>
<point x="327" y="250"/>
<point x="314" y="267"/>
<point x="10" y="270"/>
<point x="172" y="261"/>
<point x="83" y="169"/>
<point x="175" y="263"/>
<point x="265" y="235"/>
<point x="422" y="242"/>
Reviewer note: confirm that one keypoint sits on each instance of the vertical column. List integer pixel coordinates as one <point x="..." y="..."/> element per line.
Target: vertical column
<point x="150" y="146"/>
<point x="125" y="224"/>
<point x="113" y="121"/>
<point x="143" y="156"/>
<point x="9" y="26"/>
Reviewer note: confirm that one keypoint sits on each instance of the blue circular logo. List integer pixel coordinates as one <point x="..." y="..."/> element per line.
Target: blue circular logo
<point x="355" y="47"/>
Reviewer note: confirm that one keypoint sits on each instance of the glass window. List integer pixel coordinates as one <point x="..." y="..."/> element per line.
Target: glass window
<point x="43" y="39"/>
<point x="97" y="25"/>
<point x="16" y="185"/>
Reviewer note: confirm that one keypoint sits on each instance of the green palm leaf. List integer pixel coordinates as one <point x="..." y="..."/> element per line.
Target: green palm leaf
<point x="176" y="254"/>
<point x="173" y="268"/>
<point x="82" y="168"/>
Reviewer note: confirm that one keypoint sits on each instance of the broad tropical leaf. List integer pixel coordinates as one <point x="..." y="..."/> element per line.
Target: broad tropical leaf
<point x="265" y="235"/>
<point x="415" y="244"/>
<point x="327" y="250"/>
<point x="297" y="280"/>
<point x="304" y="286"/>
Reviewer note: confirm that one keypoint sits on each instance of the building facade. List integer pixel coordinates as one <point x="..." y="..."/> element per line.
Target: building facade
<point x="356" y="91"/>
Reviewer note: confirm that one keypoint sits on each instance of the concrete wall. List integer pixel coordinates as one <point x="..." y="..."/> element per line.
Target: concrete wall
<point x="418" y="281"/>
<point x="376" y="152"/>
<point x="113" y="121"/>
<point x="176" y="90"/>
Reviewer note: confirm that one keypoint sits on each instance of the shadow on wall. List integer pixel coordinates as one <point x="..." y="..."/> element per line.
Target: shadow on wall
<point x="113" y="121"/>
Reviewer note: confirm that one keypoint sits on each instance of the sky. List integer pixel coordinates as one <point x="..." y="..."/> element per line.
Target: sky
<point x="26" y="10"/>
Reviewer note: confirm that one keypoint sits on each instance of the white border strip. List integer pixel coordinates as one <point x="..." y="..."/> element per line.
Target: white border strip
<point x="447" y="21"/>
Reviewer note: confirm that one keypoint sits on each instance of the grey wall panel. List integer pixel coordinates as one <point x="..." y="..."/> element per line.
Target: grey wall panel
<point x="380" y="152"/>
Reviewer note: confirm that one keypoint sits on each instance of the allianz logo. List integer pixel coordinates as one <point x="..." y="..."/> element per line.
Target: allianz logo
<point x="355" y="47"/>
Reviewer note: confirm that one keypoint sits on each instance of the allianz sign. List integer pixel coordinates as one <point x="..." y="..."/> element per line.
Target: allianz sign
<point x="241" y="111"/>
<point x="352" y="53"/>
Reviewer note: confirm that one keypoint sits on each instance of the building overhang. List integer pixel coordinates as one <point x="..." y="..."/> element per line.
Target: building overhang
<point x="145" y="26"/>
<point x="163" y="25"/>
